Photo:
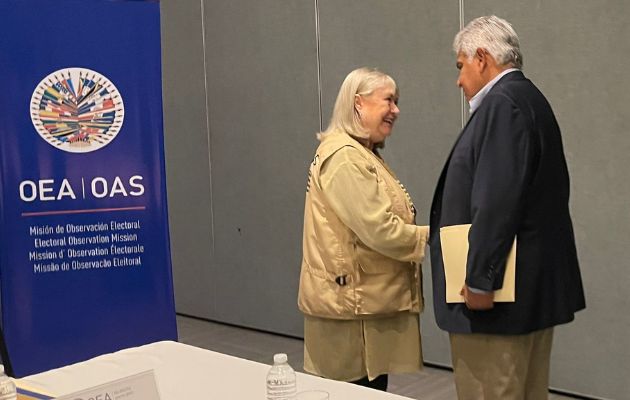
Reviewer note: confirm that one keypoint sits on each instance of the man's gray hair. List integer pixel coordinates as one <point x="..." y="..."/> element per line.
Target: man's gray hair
<point x="493" y="34"/>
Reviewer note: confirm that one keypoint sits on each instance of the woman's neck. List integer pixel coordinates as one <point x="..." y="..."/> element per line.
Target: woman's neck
<point x="365" y="142"/>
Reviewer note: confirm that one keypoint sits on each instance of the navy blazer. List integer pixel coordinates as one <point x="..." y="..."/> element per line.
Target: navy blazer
<point x="507" y="176"/>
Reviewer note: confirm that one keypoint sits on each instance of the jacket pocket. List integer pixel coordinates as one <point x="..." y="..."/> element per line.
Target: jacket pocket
<point x="371" y="262"/>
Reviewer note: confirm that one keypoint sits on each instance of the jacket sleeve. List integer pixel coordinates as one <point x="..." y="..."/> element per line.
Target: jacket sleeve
<point x="503" y="168"/>
<point x="351" y="187"/>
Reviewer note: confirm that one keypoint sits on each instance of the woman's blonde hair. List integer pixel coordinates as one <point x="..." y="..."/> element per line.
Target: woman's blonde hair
<point x="345" y="117"/>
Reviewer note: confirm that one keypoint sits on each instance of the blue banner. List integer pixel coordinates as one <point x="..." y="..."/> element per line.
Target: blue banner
<point x="84" y="246"/>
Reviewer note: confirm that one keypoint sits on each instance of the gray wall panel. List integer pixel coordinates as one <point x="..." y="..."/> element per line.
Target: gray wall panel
<point x="576" y="53"/>
<point x="261" y="65"/>
<point x="411" y="41"/>
<point x="186" y="149"/>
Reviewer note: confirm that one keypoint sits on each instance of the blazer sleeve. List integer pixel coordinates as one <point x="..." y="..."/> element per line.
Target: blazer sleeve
<point x="502" y="170"/>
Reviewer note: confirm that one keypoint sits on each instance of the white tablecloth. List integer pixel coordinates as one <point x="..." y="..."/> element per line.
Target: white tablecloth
<point x="187" y="372"/>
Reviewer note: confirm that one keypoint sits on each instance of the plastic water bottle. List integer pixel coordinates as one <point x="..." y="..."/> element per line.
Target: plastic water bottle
<point x="281" y="383"/>
<point x="7" y="387"/>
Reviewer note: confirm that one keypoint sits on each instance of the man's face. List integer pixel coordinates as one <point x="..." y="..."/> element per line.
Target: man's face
<point x="470" y="77"/>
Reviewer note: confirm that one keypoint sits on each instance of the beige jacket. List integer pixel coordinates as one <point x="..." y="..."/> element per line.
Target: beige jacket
<point x="361" y="249"/>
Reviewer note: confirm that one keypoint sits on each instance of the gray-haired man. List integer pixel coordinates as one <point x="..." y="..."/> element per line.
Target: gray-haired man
<point x="507" y="177"/>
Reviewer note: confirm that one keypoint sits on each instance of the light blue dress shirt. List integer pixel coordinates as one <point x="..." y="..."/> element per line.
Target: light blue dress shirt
<point x="475" y="102"/>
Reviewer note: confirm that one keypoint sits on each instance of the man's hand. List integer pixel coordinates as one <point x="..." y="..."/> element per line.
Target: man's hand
<point x="477" y="301"/>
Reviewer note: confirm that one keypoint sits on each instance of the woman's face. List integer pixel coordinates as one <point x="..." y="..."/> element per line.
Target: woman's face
<point x="378" y="112"/>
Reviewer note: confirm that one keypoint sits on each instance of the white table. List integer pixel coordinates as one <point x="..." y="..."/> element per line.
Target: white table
<point x="187" y="372"/>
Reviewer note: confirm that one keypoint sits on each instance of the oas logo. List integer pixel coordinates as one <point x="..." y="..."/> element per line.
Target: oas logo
<point x="77" y="110"/>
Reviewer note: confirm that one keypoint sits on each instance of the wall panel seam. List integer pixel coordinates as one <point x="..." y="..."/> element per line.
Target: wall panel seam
<point x="205" y="83"/>
<point x="461" y="92"/>
<point x="319" y="66"/>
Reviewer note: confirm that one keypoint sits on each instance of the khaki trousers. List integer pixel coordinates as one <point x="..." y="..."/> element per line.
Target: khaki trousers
<point x="502" y="367"/>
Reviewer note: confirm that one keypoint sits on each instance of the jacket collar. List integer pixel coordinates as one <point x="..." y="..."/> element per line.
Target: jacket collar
<point x="475" y="102"/>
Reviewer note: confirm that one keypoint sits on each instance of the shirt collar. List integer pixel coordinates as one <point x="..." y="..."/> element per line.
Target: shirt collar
<point x="475" y="102"/>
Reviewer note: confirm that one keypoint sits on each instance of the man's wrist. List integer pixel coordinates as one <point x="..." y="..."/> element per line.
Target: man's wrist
<point x="478" y="291"/>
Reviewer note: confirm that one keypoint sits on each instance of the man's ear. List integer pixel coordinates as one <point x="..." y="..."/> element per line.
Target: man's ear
<point x="481" y="56"/>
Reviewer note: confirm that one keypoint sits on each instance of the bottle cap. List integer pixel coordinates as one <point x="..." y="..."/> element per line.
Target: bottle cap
<point x="280" y="358"/>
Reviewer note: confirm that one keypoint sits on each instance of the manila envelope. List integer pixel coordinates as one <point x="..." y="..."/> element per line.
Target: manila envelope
<point x="454" y="241"/>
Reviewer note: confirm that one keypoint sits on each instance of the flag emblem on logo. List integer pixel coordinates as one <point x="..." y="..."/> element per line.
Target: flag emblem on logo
<point x="77" y="110"/>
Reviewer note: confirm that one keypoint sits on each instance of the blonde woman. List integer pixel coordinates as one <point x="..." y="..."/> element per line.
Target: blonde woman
<point x="360" y="280"/>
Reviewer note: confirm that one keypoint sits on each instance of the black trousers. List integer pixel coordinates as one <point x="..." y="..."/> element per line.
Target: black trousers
<point x="378" y="383"/>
